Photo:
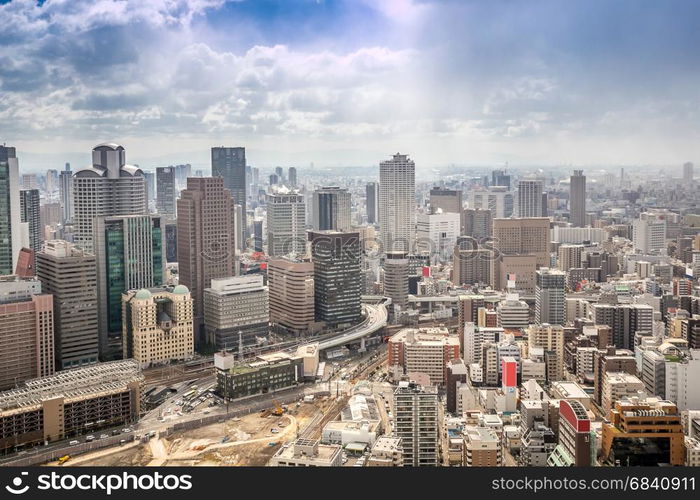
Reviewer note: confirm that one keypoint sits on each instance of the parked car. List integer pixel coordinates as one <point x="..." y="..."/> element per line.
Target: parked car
<point x="73" y="443"/>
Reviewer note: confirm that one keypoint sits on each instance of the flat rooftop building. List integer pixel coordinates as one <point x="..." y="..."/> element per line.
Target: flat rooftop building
<point x="70" y="403"/>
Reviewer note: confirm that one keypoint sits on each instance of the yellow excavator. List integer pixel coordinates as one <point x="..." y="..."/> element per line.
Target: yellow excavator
<point x="277" y="411"/>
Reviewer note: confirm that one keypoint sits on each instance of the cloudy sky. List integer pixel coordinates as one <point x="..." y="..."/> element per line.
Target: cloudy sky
<point x="348" y="82"/>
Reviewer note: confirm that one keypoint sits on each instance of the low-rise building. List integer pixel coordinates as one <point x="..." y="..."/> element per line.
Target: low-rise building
<point x="307" y="453"/>
<point x="386" y="452"/>
<point x="70" y="403"/>
<point x="157" y="325"/>
<point x="267" y="373"/>
<point x="482" y="447"/>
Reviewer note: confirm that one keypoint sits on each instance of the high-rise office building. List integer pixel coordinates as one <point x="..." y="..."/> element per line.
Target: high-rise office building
<point x="150" y="186"/>
<point x="577" y="199"/>
<point x="688" y="174"/>
<point x="236" y="312"/>
<point x="649" y="233"/>
<point x="445" y="200"/>
<point x="29" y="181"/>
<point x="51" y="183"/>
<point x="30" y="209"/>
<point x="523" y="236"/>
<point x="478" y="223"/>
<point x="158" y="325"/>
<point x="69" y="274"/>
<point x="107" y="188"/>
<point x="500" y="178"/>
<point x="569" y="256"/>
<point x="471" y="266"/>
<point x="286" y="223"/>
<point x="497" y="199"/>
<point x="530" y="197"/>
<point x="10" y="211"/>
<point x="291" y="289"/>
<point x="292" y="177"/>
<point x="550" y="295"/>
<point x="331" y="209"/>
<point x="205" y="239"/>
<point x="166" y="192"/>
<point x="130" y="255"/>
<point x="397" y="194"/>
<point x="337" y="280"/>
<point x="26" y="331"/>
<point x="182" y="172"/>
<point x="230" y="163"/>
<point x="437" y="233"/>
<point x="372" y="202"/>
<point x="65" y="192"/>
<point x="417" y="424"/>
<point x="625" y="321"/>
<point x="396" y="278"/>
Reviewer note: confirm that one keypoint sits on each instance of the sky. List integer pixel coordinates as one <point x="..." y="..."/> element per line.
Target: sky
<point x="350" y="82"/>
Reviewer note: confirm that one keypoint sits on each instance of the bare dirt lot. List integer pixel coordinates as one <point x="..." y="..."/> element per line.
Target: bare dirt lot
<point x="236" y="442"/>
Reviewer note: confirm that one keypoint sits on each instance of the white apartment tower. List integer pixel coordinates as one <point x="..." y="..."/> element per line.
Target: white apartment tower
<point x="397" y="192"/>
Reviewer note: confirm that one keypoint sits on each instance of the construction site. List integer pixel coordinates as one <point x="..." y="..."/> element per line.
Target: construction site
<point x="250" y="440"/>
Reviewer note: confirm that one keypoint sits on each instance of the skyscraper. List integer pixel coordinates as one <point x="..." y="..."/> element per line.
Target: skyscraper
<point x="445" y="200"/>
<point x="70" y="276"/>
<point x="286" y="223"/>
<point x="397" y="193"/>
<point x="577" y="199"/>
<point x="688" y="174"/>
<point x="166" y="192"/>
<point x="205" y="239"/>
<point x="372" y="202"/>
<point x="530" y="197"/>
<point x="497" y="199"/>
<point x="230" y="164"/>
<point x="291" y="287"/>
<point x="550" y="296"/>
<point x="500" y="178"/>
<point x="130" y="254"/>
<point x="107" y="188"/>
<point x="292" y="177"/>
<point x="150" y="186"/>
<point x="65" y="188"/>
<point x="331" y="209"/>
<point x="10" y="211"/>
<point x="337" y="280"/>
<point x="29" y="203"/>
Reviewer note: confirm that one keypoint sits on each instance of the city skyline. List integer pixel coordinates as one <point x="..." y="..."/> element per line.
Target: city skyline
<point x="333" y="82"/>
